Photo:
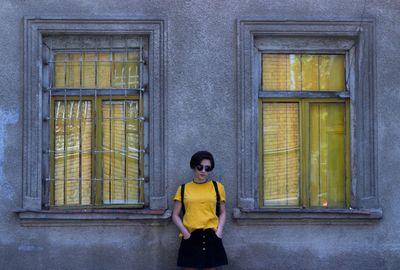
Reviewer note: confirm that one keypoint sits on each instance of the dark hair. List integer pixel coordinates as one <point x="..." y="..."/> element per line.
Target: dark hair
<point x="199" y="156"/>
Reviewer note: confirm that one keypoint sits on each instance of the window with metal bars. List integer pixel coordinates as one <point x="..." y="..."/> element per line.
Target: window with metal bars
<point x="304" y="130"/>
<point x="97" y="129"/>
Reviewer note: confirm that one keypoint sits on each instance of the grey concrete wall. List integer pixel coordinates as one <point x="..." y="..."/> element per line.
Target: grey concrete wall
<point x="202" y="114"/>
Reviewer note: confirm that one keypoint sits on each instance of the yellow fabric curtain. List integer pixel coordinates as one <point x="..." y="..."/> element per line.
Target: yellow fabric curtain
<point x="281" y="153"/>
<point x="74" y="125"/>
<point x="322" y="127"/>
<point x="96" y="70"/>
<point x="73" y="135"/>
<point x="120" y="152"/>
<point x="303" y="72"/>
<point x="327" y="154"/>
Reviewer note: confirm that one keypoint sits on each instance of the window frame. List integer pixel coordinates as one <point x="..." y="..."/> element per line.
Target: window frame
<point x="92" y="44"/>
<point x="356" y="39"/>
<point x="35" y="82"/>
<point x="96" y="138"/>
<point x="304" y="190"/>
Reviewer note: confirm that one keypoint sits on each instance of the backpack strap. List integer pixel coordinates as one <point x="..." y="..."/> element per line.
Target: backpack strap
<point x="218" y="207"/>
<point x="182" y="198"/>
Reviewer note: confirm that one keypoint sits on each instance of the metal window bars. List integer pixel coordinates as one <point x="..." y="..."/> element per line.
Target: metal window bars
<point x="96" y="121"/>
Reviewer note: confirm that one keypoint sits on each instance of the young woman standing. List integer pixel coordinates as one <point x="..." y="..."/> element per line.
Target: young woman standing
<point x="203" y="219"/>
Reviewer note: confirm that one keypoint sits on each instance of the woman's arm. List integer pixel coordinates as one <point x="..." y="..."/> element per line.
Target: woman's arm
<point x="178" y="221"/>
<point x="221" y="222"/>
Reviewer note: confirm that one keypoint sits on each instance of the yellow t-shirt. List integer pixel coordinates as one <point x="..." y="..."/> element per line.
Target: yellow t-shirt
<point x="200" y="204"/>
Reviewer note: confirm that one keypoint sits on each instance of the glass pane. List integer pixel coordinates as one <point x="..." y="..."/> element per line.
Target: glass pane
<point x="327" y="154"/>
<point x="309" y="73"/>
<point x="331" y="72"/>
<point x="73" y="70"/>
<point x="97" y="70"/>
<point x="281" y="154"/>
<point x="303" y="72"/>
<point x="72" y="146"/>
<point x="89" y="70"/>
<point x="60" y="67"/>
<point x="104" y="70"/>
<point x="118" y="71"/>
<point x="120" y="152"/>
<point x="275" y="72"/>
<point x="132" y="70"/>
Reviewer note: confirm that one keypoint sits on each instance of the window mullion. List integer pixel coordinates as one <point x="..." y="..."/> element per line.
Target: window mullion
<point x="99" y="153"/>
<point x="260" y="153"/>
<point x="347" y="156"/>
<point x="304" y="150"/>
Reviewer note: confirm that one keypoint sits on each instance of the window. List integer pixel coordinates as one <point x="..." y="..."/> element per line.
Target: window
<point x="96" y="151"/>
<point x="304" y="140"/>
<point x="306" y="134"/>
<point x="94" y="137"/>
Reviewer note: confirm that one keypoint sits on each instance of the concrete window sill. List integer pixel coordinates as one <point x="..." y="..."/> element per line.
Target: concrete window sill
<point x="306" y="216"/>
<point x="94" y="217"/>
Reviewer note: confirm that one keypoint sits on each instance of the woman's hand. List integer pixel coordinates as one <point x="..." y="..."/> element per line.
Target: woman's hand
<point x="218" y="233"/>
<point x="186" y="235"/>
<point x="221" y="221"/>
<point x="178" y="221"/>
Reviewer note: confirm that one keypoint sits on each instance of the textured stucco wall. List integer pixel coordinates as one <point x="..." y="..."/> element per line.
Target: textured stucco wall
<point x="202" y="114"/>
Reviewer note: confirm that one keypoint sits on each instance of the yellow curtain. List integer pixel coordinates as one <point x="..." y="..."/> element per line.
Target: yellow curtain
<point x="73" y="128"/>
<point x="327" y="154"/>
<point x="303" y="72"/>
<point x="73" y="134"/>
<point x="96" y="70"/>
<point x="281" y="153"/>
<point x="120" y="145"/>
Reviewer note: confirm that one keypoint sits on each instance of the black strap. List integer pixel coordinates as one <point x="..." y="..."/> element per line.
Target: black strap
<point x="182" y="196"/>
<point x="218" y="205"/>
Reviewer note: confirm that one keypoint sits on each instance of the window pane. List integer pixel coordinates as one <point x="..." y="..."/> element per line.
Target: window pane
<point x="120" y="146"/>
<point x="331" y="72"/>
<point x="97" y="70"/>
<point x="60" y="70"/>
<point x="275" y="71"/>
<point x="281" y="154"/>
<point x="327" y="154"/>
<point x="303" y="72"/>
<point x="89" y="70"/>
<point x="309" y="73"/>
<point x="72" y="152"/>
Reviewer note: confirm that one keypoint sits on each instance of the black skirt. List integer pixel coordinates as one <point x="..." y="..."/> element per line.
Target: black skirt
<point x="203" y="249"/>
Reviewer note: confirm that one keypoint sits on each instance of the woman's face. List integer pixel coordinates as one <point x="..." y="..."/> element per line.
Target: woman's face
<point x="202" y="174"/>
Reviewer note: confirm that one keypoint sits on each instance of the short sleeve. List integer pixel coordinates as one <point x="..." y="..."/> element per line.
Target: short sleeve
<point x="178" y="195"/>
<point x="221" y="191"/>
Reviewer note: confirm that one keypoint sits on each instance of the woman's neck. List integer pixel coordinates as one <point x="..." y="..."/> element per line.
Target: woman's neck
<point x="200" y="181"/>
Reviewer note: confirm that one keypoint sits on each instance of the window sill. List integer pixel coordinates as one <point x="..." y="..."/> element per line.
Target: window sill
<point x="306" y="216"/>
<point x="94" y="217"/>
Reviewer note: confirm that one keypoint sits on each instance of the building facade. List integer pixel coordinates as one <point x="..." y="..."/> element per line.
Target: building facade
<point x="103" y="103"/>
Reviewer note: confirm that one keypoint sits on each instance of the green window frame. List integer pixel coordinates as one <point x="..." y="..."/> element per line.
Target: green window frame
<point x="97" y="189"/>
<point x="305" y="190"/>
<point x="304" y="131"/>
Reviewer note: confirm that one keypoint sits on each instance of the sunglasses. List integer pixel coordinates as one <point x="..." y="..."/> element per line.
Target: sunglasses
<point x="201" y="167"/>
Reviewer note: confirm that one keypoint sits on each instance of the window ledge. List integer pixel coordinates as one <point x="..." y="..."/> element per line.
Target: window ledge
<point x="94" y="217"/>
<point x="306" y="216"/>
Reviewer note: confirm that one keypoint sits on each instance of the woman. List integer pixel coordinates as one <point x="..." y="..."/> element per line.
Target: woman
<point x="201" y="227"/>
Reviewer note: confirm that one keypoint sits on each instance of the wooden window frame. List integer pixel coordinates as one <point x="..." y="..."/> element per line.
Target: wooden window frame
<point x="355" y="38"/>
<point x="33" y="211"/>
<point x="97" y="136"/>
<point x="304" y="148"/>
